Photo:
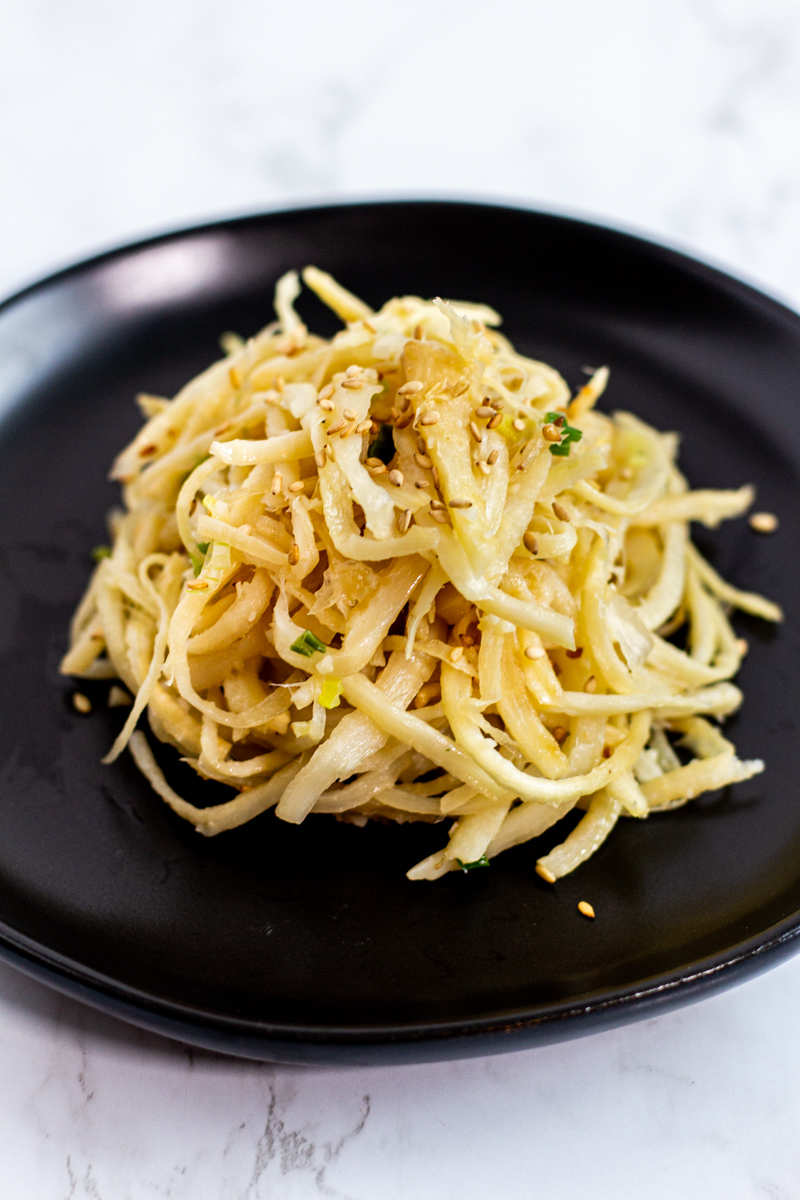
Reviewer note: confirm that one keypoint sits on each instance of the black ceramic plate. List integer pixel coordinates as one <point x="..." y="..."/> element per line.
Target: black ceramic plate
<point x="308" y="943"/>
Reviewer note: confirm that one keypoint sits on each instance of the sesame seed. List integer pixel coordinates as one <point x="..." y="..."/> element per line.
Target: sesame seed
<point x="348" y="429"/>
<point x="484" y="468"/>
<point x="411" y="388"/>
<point x="81" y="703"/>
<point x="403" y="403"/>
<point x="406" y="419"/>
<point x="492" y="459"/>
<point x="373" y="462"/>
<point x="550" y="433"/>
<point x="438" y="504"/>
<point x="396" y="477"/>
<point x="559" y="733"/>
<point x="590" y="685"/>
<point x="531" y="542"/>
<point x="277" y="483"/>
<point x="349" y="415"/>
<point x="742" y="646"/>
<point x="327" y="392"/>
<point x="235" y="377"/>
<point x="626" y="473"/>
<point x="294" y="554"/>
<point x="364" y="426"/>
<point x="197" y="585"/>
<point x="423" y="461"/>
<point x="422" y="445"/>
<point x="560" y="511"/>
<point x="337" y="425"/>
<point x="519" y="424"/>
<point x="297" y="486"/>
<point x="456" y="654"/>
<point x="380" y="469"/>
<point x="404" y="520"/>
<point x="461" y="388"/>
<point x="544" y="874"/>
<point x="327" y="405"/>
<point x="352" y="370"/>
<point x="534" y="652"/>
<point x="586" y="909"/>
<point x="484" y="410"/>
<point x="429" y="418"/>
<point x="421" y="483"/>
<point x="496" y="403"/>
<point x="494" y="421"/>
<point x="321" y="458"/>
<point x="764" y="522"/>
<point x="461" y="504"/>
<point x="418" y="333"/>
<point x="476" y="433"/>
<point x="439" y="516"/>
<point x="435" y="473"/>
<point x="352" y="384"/>
<point x="280" y="383"/>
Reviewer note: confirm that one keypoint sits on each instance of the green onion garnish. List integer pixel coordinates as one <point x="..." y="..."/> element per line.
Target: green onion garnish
<point x="479" y="862"/>
<point x="101" y="552"/>
<point x="307" y="644"/>
<point x="568" y="434"/>
<point x="197" y="563"/>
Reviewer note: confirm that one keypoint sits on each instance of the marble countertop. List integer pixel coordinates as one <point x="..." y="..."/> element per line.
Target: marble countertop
<point x="680" y="118"/>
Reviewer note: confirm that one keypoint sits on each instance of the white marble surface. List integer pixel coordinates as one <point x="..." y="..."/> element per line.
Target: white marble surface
<point x="679" y="117"/>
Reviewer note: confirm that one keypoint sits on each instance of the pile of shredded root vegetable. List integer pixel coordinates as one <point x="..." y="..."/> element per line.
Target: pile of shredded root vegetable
<point x="404" y="574"/>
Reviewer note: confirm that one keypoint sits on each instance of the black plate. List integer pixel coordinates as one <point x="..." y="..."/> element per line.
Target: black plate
<point x="308" y="944"/>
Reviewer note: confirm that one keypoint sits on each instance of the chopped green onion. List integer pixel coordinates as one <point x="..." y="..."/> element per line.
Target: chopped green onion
<point x="382" y="445"/>
<point x="101" y="552"/>
<point x="330" y="692"/>
<point x="479" y="862"/>
<point x="568" y="435"/>
<point x="197" y="562"/>
<point x="308" y="644"/>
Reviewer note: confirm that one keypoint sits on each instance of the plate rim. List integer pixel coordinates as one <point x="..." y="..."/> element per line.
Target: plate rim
<point x="546" y="1022"/>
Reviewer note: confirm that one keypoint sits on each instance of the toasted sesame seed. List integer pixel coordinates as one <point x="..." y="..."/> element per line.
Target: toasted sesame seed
<point x="422" y="445"/>
<point x="560" y="511"/>
<point x="626" y="473"/>
<point x="496" y="403"/>
<point x="519" y="424"/>
<point x="460" y="504"/>
<point x="277" y="483"/>
<point x="364" y="426"/>
<point x="423" y="461"/>
<point x="349" y="414"/>
<point x="337" y="425"/>
<point x="421" y="483"/>
<point x="484" y="468"/>
<point x="327" y="405"/>
<point x="456" y="654"/>
<point x="197" y="585"/>
<point x="492" y="459"/>
<point x="352" y="384"/>
<point x="461" y="388"/>
<point x="586" y="910"/>
<point x="439" y="516"/>
<point x="476" y="433"/>
<point x="411" y="388"/>
<point x="235" y="377"/>
<point x="352" y="370"/>
<point x="550" y="433"/>
<point x="559" y="733"/>
<point x="402" y="404"/>
<point x="418" y="333"/>
<point x="404" y="520"/>
<point x="764" y="522"/>
<point x="590" y="685"/>
<point x="484" y="410"/>
<point x="742" y="646"/>
<point x="81" y="703"/>
<point x="544" y="874"/>
<point x="294" y="554"/>
<point x="327" y="392"/>
<point x="494" y="421"/>
<point x="429" y="418"/>
<point x="435" y="473"/>
<point x="531" y="542"/>
<point x="380" y="469"/>
<point x="321" y="458"/>
<point x="438" y="504"/>
<point x="297" y="486"/>
<point x="406" y="419"/>
<point x="534" y="652"/>
<point x="374" y="462"/>
<point x="396" y="477"/>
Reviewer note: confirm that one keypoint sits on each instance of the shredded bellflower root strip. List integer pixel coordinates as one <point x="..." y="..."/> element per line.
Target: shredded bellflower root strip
<point x="405" y="574"/>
